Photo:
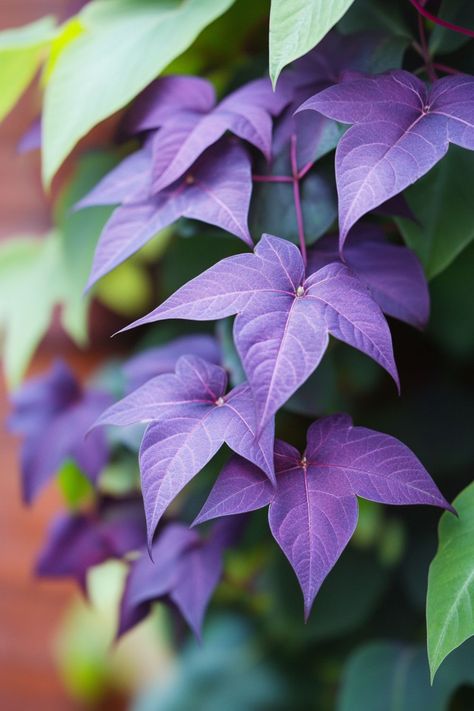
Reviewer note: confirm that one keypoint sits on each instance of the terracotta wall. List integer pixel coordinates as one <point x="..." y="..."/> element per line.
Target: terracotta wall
<point x="29" y="610"/>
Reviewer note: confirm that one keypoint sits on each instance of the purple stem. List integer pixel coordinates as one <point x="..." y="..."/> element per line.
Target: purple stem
<point x="305" y="169"/>
<point x="297" y="198"/>
<point x="272" y="178"/>
<point x="438" y="21"/>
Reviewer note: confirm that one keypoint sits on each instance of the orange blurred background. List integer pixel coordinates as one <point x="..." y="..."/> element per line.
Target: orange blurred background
<point x="30" y="609"/>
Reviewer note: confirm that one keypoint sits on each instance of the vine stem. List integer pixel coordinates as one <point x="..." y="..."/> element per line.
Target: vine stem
<point x="305" y="169"/>
<point x="438" y="21"/>
<point x="444" y="68"/>
<point x="297" y="198"/>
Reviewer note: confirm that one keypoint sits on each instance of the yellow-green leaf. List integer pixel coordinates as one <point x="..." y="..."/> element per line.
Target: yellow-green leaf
<point x="21" y="51"/>
<point x="33" y="280"/>
<point x="127" y="290"/>
<point x="124" y="46"/>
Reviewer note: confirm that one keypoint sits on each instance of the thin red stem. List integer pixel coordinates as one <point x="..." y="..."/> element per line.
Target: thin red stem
<point x="272" y="178"/>
<point x="297" y="198"/>
<point x="444" y="68"/>
<point x="426" y="50"/>
<point x="305" y="169"/>
<point x="438" y="21"/>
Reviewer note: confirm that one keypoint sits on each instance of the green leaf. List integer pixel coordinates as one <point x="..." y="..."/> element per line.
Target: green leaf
<point x="230" y="357"/>
<point x="21" y="51"/>
<point x="22" y="326"/>
<point x="80" y="230"/>
<point x="450" y="600"/>
<point x="394" y="677"/>
<point x="296" y="26"/>
<point x="333" y="615"/>
<point x="273" y="209"/>
<point x="85" y="656"/>
<point x="32" y="281"/>
<point x="75" y="486"/>
<point x="127" y="290"/>
<point x="442" y="203"/>
<point x="124" y="46"/>
<point x="343" y="375"/>
<point x="206" y="248"/>
<point x="460" y="12"/>
<point x="121" y="478"/>
<point x="452" y="308"/>
<point x="36" y="274"/>
<point x="373" y="15"/>
<point x="228" y="671"/>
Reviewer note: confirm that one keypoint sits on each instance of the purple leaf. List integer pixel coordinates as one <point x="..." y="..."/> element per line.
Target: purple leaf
<point x="192" y="417"/>
<point x="284" y="320"/>
<point x="323" y="66"/>
<point x="246" y="113"/>
<point x="76" y="542"/>
<point x="166" y="142"/>
<point x="171" y="454"/>
<point x="393" y="274"/>
<point x="238" y="423"/>
<point x="54" y="414"/>
<point x="128" y="229"/>
<point x="313" y="509"/>
<point x="129" y="182"/>
<point x="152" y="579"/>
<point x="281" y="340"/>
<point x="453" y="98"/>
<point x="43" y="397"/>
<point x="200" y="571"/>
<point x="401" y="130"/>
<point x="240" y="488"/>
<point x="312" y="519"/>
<point x="217" y="191"/>
<point x="185" y="569"/>
<point x="175" y="450"/>
<point x="222" y="290"/>
<point x="377" y="466"/>
<point x="195" y="386"/>
<point x="159" y="103"/>
<point x="162" y="359"/>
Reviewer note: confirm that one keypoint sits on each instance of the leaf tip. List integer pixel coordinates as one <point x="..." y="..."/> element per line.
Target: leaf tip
<point x="449" y="507"/>
<point x="308" y="605"/>
<point x="200" y="518"/>
<point x="149" y="543"/>
<point x="434" y="666"/>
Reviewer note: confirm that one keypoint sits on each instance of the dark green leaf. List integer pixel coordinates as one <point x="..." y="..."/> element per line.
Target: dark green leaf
<point x="395" y="677"/>
<point x="443" y="205"/>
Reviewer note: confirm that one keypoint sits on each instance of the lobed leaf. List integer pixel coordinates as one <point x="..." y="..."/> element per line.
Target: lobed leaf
<point x="313" y="509"/>
<point x="401" y="130"/>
